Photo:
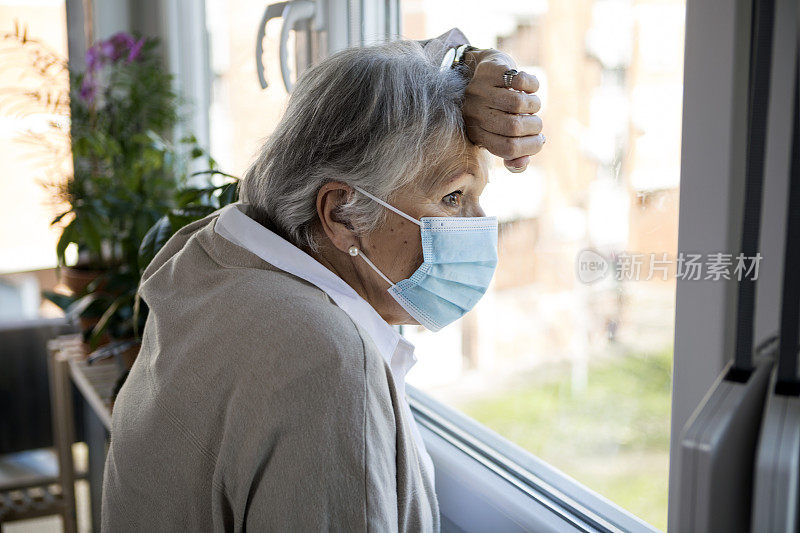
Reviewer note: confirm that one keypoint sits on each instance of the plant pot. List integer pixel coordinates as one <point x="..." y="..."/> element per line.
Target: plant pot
<point x="77" y="279"/>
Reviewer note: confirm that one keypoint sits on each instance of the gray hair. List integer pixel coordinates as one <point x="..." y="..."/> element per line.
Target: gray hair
<point x="380" y="117"/>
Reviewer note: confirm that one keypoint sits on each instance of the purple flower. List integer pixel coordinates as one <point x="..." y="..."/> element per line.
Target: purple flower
<point x="118" y="46"/>
<point x="93" y="58"/>
<point x="107" y="49"/>
<point x="88" y="90"/>
<point x="136" y="50"/>
<point x="122" y="40"/>
<point x="120" y="43"/>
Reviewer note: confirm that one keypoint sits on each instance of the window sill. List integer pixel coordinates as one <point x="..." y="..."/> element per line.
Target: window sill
<point x="485" y="481"/>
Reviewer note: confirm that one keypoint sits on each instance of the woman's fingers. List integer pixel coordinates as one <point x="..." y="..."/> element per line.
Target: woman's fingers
<point x="503" y="119"/>
<point x="493" y="68"/>
<point x="502" y="123"/>
<point x="517" y="165"/>
<point x="512" y="101"/>
<point x="509" y="148"/>
<point x="525" y="82"/>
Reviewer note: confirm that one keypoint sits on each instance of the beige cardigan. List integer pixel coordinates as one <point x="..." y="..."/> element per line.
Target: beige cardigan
<point x="256" y="403"/>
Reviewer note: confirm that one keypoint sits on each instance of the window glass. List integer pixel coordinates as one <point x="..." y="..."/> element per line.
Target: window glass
<point x="570" y="352"/>
<point x="34" y="138"/>
<point x="242" y="114"/>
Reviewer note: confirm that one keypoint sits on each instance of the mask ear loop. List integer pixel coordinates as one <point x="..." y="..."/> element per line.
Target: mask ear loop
<point x="354" y="251"/>
<point x="387" y="206"/>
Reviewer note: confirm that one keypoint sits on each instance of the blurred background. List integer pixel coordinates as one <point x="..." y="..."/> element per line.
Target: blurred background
<point x="578" y="374"/>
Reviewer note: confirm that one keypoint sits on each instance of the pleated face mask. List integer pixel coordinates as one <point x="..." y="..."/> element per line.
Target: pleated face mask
<point x="459" y="259"/>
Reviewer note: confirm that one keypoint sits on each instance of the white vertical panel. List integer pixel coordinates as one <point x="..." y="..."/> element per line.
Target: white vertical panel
<point x="712" y="176"/>
<point x="183" y="32"/>
<point x="110" y="18"/>
<point x="76" y="34"/>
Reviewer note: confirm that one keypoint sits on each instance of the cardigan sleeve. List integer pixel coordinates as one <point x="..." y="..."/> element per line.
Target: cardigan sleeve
<point x="436" y="47"/>
<point x="339" y="455"/>
<point x="328" y="461"/>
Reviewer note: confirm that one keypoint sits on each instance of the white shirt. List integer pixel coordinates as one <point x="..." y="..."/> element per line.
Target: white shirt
<point x="245" y="232"/>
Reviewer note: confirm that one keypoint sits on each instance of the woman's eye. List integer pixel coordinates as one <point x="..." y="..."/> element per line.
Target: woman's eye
<point x="453" y="199"/>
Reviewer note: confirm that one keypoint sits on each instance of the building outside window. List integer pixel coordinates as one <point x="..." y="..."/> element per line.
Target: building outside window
<point x="577" y="373"/>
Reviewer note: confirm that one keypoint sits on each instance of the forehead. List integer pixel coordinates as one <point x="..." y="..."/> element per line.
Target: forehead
<point x="470" y="165"/>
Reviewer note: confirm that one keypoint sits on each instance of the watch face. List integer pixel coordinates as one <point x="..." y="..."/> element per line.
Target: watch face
<point x="449" y="56"/>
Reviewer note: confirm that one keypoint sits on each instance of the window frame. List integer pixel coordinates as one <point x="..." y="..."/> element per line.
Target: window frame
<point x="713" y="148"/>
<point x="503" y="473"/>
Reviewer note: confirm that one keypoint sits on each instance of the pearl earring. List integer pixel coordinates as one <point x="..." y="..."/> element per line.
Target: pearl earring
<point x="353" y="251"/>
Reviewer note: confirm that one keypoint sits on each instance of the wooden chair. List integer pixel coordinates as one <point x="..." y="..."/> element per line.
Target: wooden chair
<point x="41" y="481"/>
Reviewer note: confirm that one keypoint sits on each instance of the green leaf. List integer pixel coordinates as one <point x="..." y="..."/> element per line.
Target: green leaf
<point x="213" y="172"/>
<point x="154" y="240"/>
<point x="191" y="195"/>
<point x="229" y="193"/>
<point x="182" y="217"/>
<point x="67" y="237"/>
<point x="95" y="284"/>
<point x="61" y="300"/>
<point x="103" y="323"/>
<point x="90" y="233"/>
<point x="120" y="306"/>
<point x="137" y="315"/>
<point x="142" y="223"/>
<point x="79" y="307"/>
<point x="59" y="217"/>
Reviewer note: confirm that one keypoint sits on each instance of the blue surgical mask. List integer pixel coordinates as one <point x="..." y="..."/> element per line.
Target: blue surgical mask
<point x="459" y="258"/>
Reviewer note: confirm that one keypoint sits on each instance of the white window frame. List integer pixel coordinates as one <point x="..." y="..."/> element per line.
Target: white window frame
<point x="484" y="482"/>
<point x="711" y="205"/>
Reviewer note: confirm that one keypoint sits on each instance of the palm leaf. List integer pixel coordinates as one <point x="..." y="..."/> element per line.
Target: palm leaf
<point x="105" y="319"/>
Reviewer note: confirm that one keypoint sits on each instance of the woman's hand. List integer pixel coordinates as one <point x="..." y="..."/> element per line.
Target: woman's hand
<point x="501" y="120"/>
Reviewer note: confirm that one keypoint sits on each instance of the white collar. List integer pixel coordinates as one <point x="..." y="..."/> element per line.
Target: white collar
<point x="240" y="229"/>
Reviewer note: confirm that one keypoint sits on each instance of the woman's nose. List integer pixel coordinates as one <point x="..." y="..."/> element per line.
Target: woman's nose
<point x="478" y="211"/>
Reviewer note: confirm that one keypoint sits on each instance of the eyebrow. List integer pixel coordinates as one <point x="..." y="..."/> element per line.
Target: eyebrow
<point x="476" y="179"/>
<point x="454" y="177"/>
<point x="444" y="182"/>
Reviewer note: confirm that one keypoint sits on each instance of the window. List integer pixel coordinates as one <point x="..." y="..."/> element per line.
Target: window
<point x="577" y="370"/>
<point x="32" y="150"/>
<point x="242" y="114"/>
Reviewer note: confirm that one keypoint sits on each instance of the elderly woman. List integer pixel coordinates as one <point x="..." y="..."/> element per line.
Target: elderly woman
<point x="269" y="391"/>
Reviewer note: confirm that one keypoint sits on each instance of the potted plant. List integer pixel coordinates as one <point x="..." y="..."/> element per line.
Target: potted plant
<point x="128" y="189"/>
<point x="126" y="173"/>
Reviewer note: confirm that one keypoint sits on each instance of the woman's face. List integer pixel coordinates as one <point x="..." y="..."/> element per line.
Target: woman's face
<point x="395" y="246"/>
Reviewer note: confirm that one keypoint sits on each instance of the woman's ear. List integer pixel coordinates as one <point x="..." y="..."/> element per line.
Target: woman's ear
<point x="331" y="196"/>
